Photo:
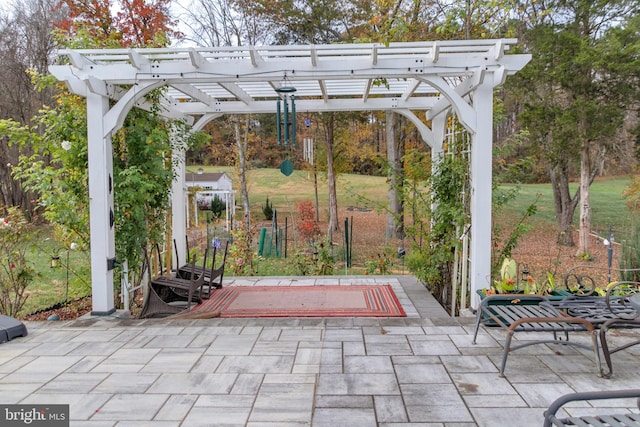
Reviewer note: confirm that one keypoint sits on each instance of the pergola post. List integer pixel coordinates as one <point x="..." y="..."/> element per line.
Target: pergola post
<point x="438" y="126"/>
<point x="179" y="203"/>
<point x="100" y="166"/>
<point x="480" y="178"/>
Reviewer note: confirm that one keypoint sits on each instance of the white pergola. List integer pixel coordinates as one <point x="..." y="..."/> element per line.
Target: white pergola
<point x="433" y="77"/>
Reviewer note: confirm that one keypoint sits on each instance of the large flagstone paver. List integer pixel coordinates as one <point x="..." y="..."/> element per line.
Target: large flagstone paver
<point x="193" y="383"/>
<point x="40" y="370"/>
<point x="175" y="408"/>
<point x="14" y="393"/>
<point x="439" y="413"/>
<point x="73" y="383"/>
<point x="131" y="407"/>
<point x="365" y="384"/>
<point x="283" y="402"/>
<point x="206" y="416"/>
<point x="422" y="374"/>
<point x="180" y="360"/>
<point x="255" y="365"/>
<point x="431" y="395"/>
<point x="521" y="417"/>
<point x="390" y="409"/>
<point x="344" y="417"/>
<point x="233" y="345"/>
<point x="367" y="364"/>
<point x="96" y="348"/>
<point x="248" y="384"/>
<point x="427" y="345"/>
<point x="277" y="348"/>
<point x="53" y="349"/>
<point x="126" y="383"/>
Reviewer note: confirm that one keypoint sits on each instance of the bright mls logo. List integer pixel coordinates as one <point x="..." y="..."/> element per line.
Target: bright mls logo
<point x="34" y="415"/>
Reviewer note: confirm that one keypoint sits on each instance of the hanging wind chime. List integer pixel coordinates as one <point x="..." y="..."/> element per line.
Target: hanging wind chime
<point x="286" y="123"/>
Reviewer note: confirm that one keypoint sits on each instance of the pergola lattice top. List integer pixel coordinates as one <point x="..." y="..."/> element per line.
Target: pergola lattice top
<point x="340" y="77"/>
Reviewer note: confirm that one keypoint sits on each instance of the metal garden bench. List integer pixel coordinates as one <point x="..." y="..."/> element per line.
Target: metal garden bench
<point x="621" y="419"/>
<point x="532" y="313"/>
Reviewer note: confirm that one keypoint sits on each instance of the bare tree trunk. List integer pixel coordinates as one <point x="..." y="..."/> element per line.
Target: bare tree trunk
<point x="27" y="41"/>
<point x="395" y="206"/>
<point x="241" y="143"/>
<point x="585" y="202"/>
<point x="331" y="176"/>
<point x="565" y="205"/>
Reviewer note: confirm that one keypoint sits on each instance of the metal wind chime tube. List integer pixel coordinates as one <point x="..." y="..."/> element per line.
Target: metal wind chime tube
<point x="286" y="121"/>
<point x="286" y="93"/>
<point x="286" y="126"/>
<point x="293" y="121"/>
<point x="278" y="133"/>
<point x="308" y="150"/>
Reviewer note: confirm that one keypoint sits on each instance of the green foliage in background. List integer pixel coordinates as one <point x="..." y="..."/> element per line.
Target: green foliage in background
<point x="16" y="270"/>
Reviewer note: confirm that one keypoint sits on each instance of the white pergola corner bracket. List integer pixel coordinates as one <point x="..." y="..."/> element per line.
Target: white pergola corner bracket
<point x="137" y="60"/>
<point x="114" y="118"/>
<point x="465" y="112"/>
<point x="256" y="59"/>
<point x="197" y="60"/>
<point x="434" y="53"/>
<point x="425" y="132"/>
<point x="78" y="60"/>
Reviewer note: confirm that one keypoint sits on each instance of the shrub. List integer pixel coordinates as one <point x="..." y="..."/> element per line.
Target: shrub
<point x="307" y="224"/>
<point x="380" y="264"/>
<point x="325" y="263"/>
<point x="16" y="272"/>
<point x="217" y="207"/>
<point x="240" y="256"/>
<point x="267" y="210"/>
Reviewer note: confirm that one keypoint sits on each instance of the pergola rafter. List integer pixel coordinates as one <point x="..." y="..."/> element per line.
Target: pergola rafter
<point x="204" y="83"/>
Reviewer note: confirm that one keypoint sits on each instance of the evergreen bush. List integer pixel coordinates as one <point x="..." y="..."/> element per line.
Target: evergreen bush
<point x="217" y="206"/>
<point x="267" y="210"/>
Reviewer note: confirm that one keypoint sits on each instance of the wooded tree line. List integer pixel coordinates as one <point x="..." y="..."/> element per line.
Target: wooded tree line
<point x="572" y="113"/>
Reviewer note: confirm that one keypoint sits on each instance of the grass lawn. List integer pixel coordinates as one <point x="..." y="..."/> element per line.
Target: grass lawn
<point x="608" y="207"/>
<point x="50" y="287"/>
<point x="283" y="191"/>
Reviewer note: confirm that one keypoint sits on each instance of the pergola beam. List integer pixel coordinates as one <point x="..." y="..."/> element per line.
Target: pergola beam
<point x="195" y="93"/>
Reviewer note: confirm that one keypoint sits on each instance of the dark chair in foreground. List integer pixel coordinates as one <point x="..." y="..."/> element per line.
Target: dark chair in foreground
<point x="212" y="276"/>
<point x="621" y="419"/>
<point x="170" y="295"/>
<point x="532" y="313"/>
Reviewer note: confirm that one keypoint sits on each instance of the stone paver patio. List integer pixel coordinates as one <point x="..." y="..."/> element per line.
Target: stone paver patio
<point x="421" y="370"/>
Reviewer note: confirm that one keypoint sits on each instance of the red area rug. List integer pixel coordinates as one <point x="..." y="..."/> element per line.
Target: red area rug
<point x="303" y="301"/>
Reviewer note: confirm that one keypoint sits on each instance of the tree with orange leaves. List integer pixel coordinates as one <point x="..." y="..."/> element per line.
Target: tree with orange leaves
<point x="131" y="23"/>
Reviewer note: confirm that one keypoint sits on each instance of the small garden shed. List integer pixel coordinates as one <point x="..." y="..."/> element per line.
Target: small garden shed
<point x="205" y="187"/>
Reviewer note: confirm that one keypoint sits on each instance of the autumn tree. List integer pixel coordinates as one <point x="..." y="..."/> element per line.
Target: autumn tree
<point x="137" y="23"/>
<point x="26" y="42"/>
<point x="575" y="99"/>
<point x="57" y="169"/>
